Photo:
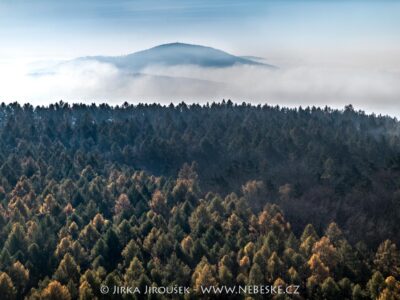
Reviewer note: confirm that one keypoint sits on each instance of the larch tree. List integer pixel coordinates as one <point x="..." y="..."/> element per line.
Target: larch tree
<point x="7" y="289"/>
<point x="387" y="259"/>
<point x="55" y="291"/>
<point x="67" y="270"/>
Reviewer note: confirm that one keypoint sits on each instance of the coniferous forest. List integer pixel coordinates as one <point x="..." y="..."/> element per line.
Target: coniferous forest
<point x="219" y="195"/>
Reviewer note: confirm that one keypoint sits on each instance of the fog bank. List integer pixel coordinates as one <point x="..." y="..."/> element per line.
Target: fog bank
<point x="370" y="89"/>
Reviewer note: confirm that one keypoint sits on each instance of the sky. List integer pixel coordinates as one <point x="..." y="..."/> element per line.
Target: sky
<point x="337" y="46"/>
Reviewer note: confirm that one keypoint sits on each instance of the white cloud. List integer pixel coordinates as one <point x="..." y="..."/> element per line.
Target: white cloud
<point x="369" y="89"/>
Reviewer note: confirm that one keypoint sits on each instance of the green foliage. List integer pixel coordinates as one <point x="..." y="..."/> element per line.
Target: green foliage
<point x="330" y="290"/>
<point x="387" y="259"/>
<point x="375" y="285"/>
<point x="7" y="289"/>
<point x="100" y="195"/>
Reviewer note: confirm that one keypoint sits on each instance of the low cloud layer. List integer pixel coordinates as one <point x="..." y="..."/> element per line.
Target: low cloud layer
<point x="372" y="90"/>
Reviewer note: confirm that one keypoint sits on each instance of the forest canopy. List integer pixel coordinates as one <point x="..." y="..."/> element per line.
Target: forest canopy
<point x="191" y="195"/>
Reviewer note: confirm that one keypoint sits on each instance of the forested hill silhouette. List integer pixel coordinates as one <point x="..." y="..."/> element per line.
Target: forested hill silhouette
<point x="319" y="165"/>
<point x="175" y="54"/>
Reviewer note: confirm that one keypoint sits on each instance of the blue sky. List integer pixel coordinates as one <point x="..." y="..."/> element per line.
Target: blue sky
<point x="48" y="28"/>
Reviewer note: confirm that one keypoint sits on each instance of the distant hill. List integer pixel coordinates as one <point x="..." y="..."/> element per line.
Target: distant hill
<point x="175" y="54"/>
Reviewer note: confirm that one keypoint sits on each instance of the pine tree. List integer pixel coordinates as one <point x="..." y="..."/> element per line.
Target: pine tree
<point x="375" y="285"/>
<point x="135" y="275"/>
<point x="318" y="270"/>
<point x="330" y="290"/>
<point x="7" y="289"/>
<point x="55" y="291"/>
<point x="307" y="245"/>
<point x="93" y="278"/>
<point x="225" y="275"/>
<point x="85" y="291"/>
<point x="275" y="267"/>
<point x="20" y="276"/>
<point x="203" y="275"/>
<point x="187" y="244"/>
<point x="345" y="286"/>
<point x="280" y="283"/>
<point x="99" y="249"/>
<point x="387" y="259"/>
<point x="256" y="277"/>
<point x="67" y="270"/>
<point x="130" y="251"/>
<point x="16" y="240"/>
<point x="272" y="243"/>
<point x="334" y="233"/>
<point x="123" y="206"/>
<point x="392" y="290"/>
<point x="5" y="258"/>
<point x="294" y="276"/>
<point x="260" y="259"/>
<point x="309" y="231"/>
<point x="63" y="247"/>
<point x="89" y="236"/>
<point x="159" y="203"/>
<point x="292" y="242"/>
<point x="358" y="293"/>
<point x="124" y="232"/>
<point x="249" y="249"/>
<point x="114" y="248"/>
<point x="326" y="252"/>
<point x="134" y="271"/>
<point x="114" y="279"/>
<point x="200" y="220"/>
<point x="176" y="272"/>
<point x="163" y="247"/>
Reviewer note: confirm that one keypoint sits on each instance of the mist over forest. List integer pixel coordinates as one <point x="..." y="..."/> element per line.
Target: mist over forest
<point x="211" y="149"/>
<point x="176" y="72"/>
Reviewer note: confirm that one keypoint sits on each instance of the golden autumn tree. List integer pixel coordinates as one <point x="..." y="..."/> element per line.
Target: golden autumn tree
<point x="20" y="277"/>
<point x="392" y="289"/>
<point x="326" y="252"/>
<point x="319" y="272"/>
<point x="204" y="275"/>
<point x="55" y="291"/>
<point x="387" y="259"/>
<point x="7" y="289"/>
